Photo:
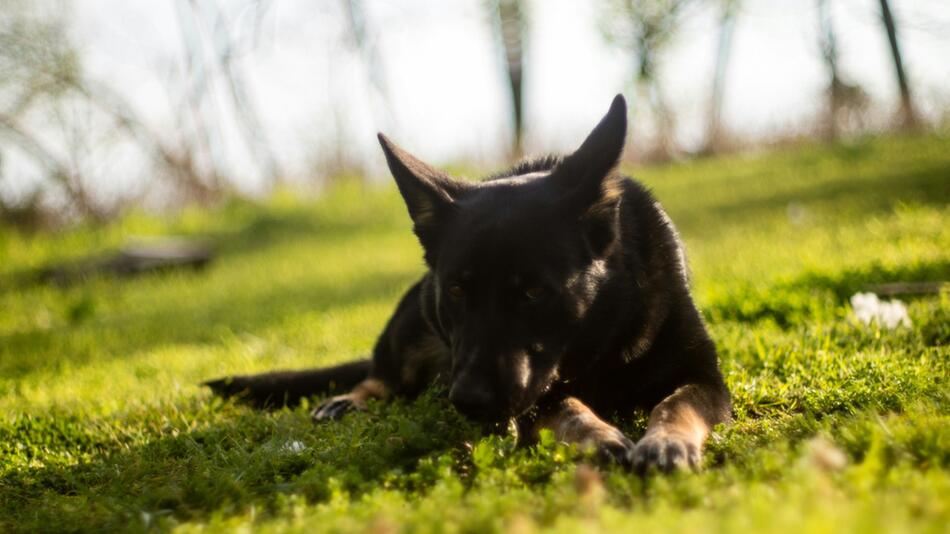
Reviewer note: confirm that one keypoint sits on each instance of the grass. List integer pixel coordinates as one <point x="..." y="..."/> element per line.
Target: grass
<point x="839" y="426"/>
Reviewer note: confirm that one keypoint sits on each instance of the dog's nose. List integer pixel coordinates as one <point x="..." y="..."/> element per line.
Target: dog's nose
<point x="470" y="400"/>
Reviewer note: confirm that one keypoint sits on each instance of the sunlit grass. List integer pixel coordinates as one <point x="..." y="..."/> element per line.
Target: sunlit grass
<point x="103" y="424"/>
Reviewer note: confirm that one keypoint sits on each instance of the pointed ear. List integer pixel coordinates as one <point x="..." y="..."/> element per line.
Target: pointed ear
<point x="592" y="188"/>
<point x="429" y="193"/>
<point x="600" y="153"/>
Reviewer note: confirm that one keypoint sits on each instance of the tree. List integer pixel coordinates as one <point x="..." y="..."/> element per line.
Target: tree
<point x="510" y="27"/>
<point x="65" y="123"/>
<point x="200" y="18"/>
<point x="727" y="24"/>
<point x="645" y="28"/>
<point x="908" y="113"/>
<point x="828" y="43"/>
<point x="847" y="101"/>
<point x="38" y="66"/>
<point x="365" y="41"/>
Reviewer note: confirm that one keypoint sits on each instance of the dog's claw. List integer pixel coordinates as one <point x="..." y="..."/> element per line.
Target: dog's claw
<point x="615" y="450"/>
<point x="664" y="452"/>
<point x="335" y="408"/>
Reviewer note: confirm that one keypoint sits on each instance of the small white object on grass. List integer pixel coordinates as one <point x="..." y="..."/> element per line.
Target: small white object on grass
<point x="889" y="314"/>
<point x="295" y="447"/>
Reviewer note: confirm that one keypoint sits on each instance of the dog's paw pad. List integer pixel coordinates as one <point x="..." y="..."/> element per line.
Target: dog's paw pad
<point x="335" y="408"/>
<point x="664" y="452"/>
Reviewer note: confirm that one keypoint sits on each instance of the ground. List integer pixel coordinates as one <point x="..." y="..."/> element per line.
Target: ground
<point x="838" y="426"/>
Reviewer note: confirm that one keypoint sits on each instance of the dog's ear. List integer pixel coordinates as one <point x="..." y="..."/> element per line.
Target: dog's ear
<point x="429" y="193"/>
<point x="590" y="181"/>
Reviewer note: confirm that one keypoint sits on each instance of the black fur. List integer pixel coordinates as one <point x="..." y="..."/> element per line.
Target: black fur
<point x="528" y="166"/>
<point x="555" y="280"/>
<point x="281" y="388"/>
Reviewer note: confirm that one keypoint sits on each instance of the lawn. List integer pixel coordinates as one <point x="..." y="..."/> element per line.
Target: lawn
<point x="839" y="427"/>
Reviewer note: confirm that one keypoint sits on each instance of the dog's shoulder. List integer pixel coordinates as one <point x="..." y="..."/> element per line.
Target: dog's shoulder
<point x="642" y="213"/>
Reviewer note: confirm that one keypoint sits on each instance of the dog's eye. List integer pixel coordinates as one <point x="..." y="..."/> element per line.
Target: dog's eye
<point x="456" y="292"/>
<point x="534" y="293"/>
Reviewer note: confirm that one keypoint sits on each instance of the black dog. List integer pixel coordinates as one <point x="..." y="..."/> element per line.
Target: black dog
<point x="556" y="295"/>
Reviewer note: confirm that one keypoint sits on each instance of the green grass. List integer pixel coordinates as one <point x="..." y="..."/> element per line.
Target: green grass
<point x="102" y="425"/>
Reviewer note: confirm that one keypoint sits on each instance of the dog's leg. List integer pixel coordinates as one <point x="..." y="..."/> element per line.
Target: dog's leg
<point x="678" y="428"/>
<point x="287" y="388"/>
<point x="335" y="407"/>
<point x="407" y="358"/>
<point x="573" y="422"/>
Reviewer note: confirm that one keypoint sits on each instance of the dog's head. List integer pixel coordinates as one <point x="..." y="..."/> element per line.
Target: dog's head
<point x="516" y="263"/>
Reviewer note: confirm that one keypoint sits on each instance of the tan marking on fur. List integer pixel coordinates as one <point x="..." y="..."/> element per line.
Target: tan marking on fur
<point x="610" y="193"/>
<point x="523" y="371"/>
<point x="425" y="214"/>
<point x="684" y="422"/>
<point x="370" y="388"/>
<point x="574" y="422"/>
<point x="613" y="189"/>
<point x="585" y="281"/>
<point x="685" y="413"/>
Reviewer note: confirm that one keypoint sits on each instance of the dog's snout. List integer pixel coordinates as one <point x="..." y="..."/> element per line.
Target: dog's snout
<point x="471" y="400"/>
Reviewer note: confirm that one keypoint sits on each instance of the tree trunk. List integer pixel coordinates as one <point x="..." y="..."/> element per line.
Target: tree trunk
<point x="829" y="52"/>
<point x="727" y="24"/>
<point x="908" y="114"/>
<point x="511" y="26"/>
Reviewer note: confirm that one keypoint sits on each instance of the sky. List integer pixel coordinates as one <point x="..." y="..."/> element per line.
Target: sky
<point x="443" y="91"/>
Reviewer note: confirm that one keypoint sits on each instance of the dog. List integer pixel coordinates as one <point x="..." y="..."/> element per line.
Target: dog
<point x="556" y="295"/>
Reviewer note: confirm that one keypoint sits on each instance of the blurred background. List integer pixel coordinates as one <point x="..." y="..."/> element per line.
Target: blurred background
<point x="109" y="105"/>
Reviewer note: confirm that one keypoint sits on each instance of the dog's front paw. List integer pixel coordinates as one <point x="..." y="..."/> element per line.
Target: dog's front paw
<point x="664" y="451"/>
<point x="609" y="445"/>
<point x="336" y="407"/>
<point x="615" y="449"/>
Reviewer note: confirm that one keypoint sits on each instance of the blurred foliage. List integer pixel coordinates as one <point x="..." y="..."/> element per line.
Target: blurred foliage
<point x="839" y="426"/>
<point x="36" y="57"/>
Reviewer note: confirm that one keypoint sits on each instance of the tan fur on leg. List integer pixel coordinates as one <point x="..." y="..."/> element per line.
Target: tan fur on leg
<point x="370" y="388"/>
<point x="336" y="407"/>
<point x="573" y="422"/>
<point x="678" y="428"/>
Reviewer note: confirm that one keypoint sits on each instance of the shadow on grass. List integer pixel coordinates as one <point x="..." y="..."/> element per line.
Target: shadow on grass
<point x="204" y="319"/>
<point x="256" y="230"/>
<point x="845" y="283"/>
<point x="265" y="228"/>
<point x="232" y="462"/>
<point x="881" y="191"/>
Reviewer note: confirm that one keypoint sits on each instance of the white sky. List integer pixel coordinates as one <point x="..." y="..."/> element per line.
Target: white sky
<point x="446" y="84"/>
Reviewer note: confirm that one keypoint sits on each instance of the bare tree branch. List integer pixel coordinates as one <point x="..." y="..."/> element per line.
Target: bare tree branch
<point x="180" y="163"/>
<point x="64" y="174"/>
<point x="245" y="108"/>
